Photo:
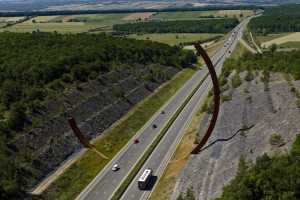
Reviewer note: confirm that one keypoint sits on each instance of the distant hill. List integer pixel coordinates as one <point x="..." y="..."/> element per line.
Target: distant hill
<point x="30" y="5"/>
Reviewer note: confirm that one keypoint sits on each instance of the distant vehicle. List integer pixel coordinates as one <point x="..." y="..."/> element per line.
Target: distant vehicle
<point x="136" y="141"/>
<point x="154" y="126"/>
<point x="229" y="51"/>
<point x="115" y="168"/>
<point x="163" y="112"/>
<point x="145" y="179"/>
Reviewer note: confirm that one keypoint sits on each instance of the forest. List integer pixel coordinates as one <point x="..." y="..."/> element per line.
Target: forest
<point x="274" y="177"/>
<point x="39" y="66"/>
<point x="183" y="26"/>
<point x="286" y="62"/>
<point x="277" y="20"/>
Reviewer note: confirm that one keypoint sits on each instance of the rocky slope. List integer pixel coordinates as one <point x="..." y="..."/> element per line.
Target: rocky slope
<point x="95" y="105"/>
<point x="270" y="110"/>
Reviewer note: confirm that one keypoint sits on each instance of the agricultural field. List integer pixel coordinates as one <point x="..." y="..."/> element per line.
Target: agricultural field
<point x="265" y="38"/>
<point x="104" y="22"/>
<point x="293" y="45"/>
<point x="7" y="20"/>
<point x="192" y="15"/>
<point x="293" y="37"/>
<point x="139" y="16"/>
<point x="175" y="38"/>
<point x="71" y="23"/>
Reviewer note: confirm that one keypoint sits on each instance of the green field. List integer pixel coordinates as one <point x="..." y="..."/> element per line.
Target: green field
<point x="291" y="45"/>
<point x="175" y="38"/>
<point x="261" y="39"/>
<point x="191" y="15"/>
<point x="292" y="37"/>
<point x="104" y="22"/>
<point x="2" y="24"/>
<point x="64" y="24"/>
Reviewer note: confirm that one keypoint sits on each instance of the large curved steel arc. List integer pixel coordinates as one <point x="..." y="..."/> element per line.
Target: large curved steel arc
<point x="201" y="52"/>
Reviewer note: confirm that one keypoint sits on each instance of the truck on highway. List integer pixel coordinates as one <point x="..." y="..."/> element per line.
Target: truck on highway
<point x="145" y="179"/>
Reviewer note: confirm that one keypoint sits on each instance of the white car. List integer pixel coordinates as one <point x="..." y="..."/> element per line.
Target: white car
<point x="115" y="167"/>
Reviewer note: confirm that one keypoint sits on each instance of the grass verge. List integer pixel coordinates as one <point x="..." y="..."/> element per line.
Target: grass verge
<point x="118" y="194"/>
<point x="82" y="172"/>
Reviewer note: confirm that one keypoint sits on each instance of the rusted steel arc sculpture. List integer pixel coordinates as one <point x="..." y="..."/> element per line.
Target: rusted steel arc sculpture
<point x="214" y="77"/>
<point x="82" y="139"/>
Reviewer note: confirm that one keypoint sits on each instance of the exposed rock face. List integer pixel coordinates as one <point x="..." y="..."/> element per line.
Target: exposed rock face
<point x="95" y="106"/>
<point x="272" y="111"/>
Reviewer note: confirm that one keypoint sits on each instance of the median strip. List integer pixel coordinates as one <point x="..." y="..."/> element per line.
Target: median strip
<point x="120" y="191"/>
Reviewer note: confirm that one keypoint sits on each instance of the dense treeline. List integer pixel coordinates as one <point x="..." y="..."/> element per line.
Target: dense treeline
<point x="185" y="26"/>
<point x="269" y="178"/>
<point x="287" y="62"/>
<point x="277" y="19"/>
<point x="35" y="66"/>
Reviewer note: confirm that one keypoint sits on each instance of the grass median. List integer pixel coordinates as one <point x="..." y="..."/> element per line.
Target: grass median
<point x="120" y="191"/>
<point x="82" y="172"/>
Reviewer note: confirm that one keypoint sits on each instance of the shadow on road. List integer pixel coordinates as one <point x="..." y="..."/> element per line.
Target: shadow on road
<point x="151" y="183"/>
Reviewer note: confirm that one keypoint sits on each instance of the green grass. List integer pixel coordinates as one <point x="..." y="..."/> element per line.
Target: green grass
<point x="175" y="38"/>
<point x="191" y="15"/>
<point x="239" y="51"/>
<point x="291" y="45"/>
<point x="269" y="37"/>
<point x="78" y="176"/>
<point x="89" y="22"/>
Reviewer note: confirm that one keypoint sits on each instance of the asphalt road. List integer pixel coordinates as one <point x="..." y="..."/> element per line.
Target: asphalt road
<point x="162" y="154"/>
<point x="107" y="181"/>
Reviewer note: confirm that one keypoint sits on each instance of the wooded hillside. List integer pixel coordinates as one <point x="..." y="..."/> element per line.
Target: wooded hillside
<point x="38" y="69"/>
<point x="184" y="26"/>
<point x="277" y="19"/>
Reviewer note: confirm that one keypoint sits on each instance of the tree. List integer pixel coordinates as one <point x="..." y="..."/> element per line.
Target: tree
<point x="16" y="117"/>
<point x="11" y="92"/>
<point x="273" y="48"/>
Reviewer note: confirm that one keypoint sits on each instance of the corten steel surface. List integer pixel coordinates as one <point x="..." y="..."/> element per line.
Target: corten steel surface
<point x="82" y="139"/>
<point x="201" y="52"/>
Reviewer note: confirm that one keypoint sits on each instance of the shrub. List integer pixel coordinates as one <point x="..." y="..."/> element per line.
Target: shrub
<point x="276" y="139"/>
<point x="236" y="80"/>
<point x="225" y="98"/>
<point x="249" y="76"/>
<point x="16" y="117"/>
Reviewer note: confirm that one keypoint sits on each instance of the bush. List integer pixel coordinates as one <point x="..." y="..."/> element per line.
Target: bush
<point x="16" y="117"/>
<point x="276" y="139"/>
<point x="249" y="76"/>
<point x="225" y="98"/>
<point x="298" y="103"/>
<point x="236" y="80"/>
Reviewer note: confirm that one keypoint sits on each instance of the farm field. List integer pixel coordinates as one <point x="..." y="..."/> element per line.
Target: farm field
<point x="262" y="39"/>
<point x="139" y="16"/>
<point x="71" y="23"/>
<point x="292" y="37"/>
<point x="188" y="15"/>
<point x="291" y="45"/>
<point x="174" y="38"/>
<point x="6" y="20"/>
<point x="104" y="22"/>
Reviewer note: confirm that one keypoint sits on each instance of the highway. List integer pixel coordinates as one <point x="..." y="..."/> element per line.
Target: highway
<point x="106" y="182"/>
<point x="162" y="154"/>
